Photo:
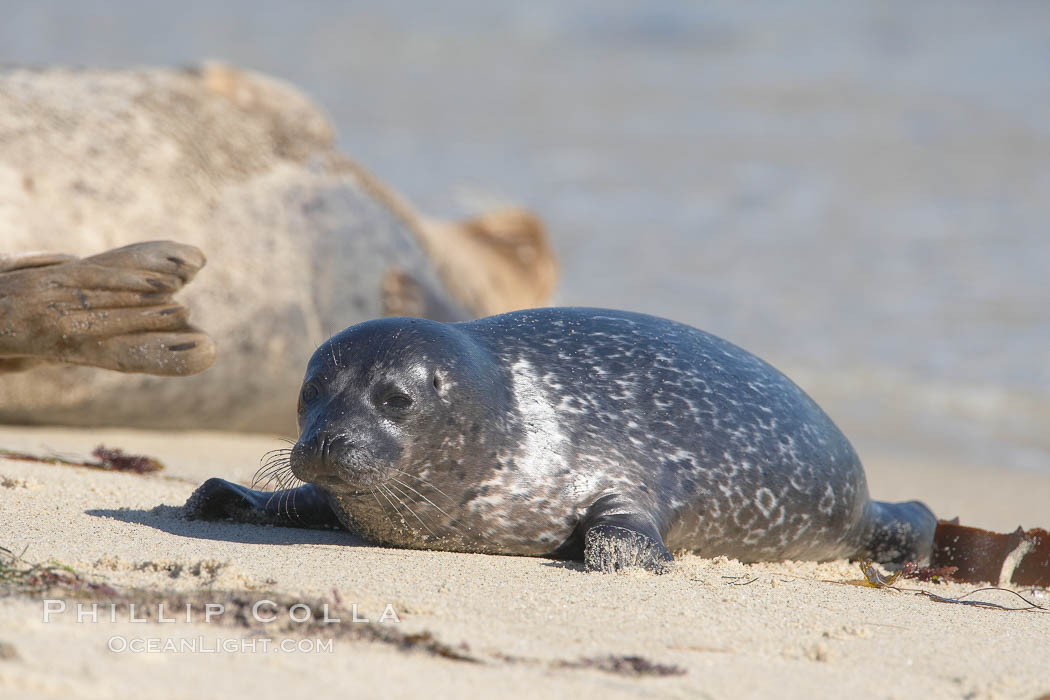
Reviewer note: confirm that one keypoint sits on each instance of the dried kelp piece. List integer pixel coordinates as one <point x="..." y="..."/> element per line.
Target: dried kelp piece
<point x="115" y="459"/>
<point x="109" y="459"/>
<point x="19" y="576"/>
<point x="624" y="665"/>
<point x="1021" y="558"/>
<point x="873" y="578"/>
<point x="931" y="574"/>
<point x="425" y="640"/>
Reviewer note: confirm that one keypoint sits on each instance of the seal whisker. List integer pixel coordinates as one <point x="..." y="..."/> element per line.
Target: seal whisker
<point x="275" y="456"/>
<point x="409" y="508"/>
<point x="387" y="497"/>
<point x="282" y="494"/>
<point x="434" y="505"/>
<point x="424" y="482"/>
<point x="269" y="464"/>
<point x="331" y="349"/>
<point x="274" y="466"/>
<point x="276" y="492"/>
<point x="273" y="495"/>
<point x="267" y="485"/>
<point x="382" y="508"/>
<point x="263" y="482"/>
<point x="290" y="488"/>
<point x="271" y="468"/>
<point x="285" y="484"/>
<point x="289" y="505"/>
<point x="284" y="500"/>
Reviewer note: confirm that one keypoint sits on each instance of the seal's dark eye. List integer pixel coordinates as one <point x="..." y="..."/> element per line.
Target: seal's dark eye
<point x="398" y="402"/>
<point x="309" y="393"/>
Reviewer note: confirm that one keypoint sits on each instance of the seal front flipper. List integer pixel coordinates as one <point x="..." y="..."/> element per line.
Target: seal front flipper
<point x="617" y="534"/>
<point x="218" y="499"/>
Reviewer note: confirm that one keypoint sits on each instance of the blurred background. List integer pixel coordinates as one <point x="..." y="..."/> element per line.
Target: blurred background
<point x="857" y="192"/>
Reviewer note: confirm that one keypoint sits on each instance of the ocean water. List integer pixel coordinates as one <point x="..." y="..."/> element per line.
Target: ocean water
<point x="857" y="192"/>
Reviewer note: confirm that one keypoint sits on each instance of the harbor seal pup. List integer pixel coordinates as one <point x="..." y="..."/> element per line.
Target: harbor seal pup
<point x="610" y="436"/>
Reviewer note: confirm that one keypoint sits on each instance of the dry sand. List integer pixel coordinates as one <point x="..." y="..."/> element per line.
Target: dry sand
<point x="733" y="630"/>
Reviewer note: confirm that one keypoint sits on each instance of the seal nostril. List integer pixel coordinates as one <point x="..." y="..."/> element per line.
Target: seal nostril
<point x="324" y="447"/>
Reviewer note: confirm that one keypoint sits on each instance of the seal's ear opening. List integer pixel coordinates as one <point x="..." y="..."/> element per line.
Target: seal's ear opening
<point x="439" y="380"/>
<point x="443" y="384"/>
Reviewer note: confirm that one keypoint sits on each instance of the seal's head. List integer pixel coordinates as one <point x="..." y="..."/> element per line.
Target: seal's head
<point x="393" y="396"/>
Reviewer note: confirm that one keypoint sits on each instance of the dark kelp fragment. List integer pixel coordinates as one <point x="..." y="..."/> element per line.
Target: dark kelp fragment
<point x="115" y="459"/>
<point x="109" y="458"/>
<point x="931" y="574"/>
<point x="624" y="665"/>
<point x="1021" y="558"/>
<point x="19" y="577"/>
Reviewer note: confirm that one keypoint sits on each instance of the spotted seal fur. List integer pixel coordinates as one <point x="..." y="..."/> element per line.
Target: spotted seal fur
<point x="610" y="436"/>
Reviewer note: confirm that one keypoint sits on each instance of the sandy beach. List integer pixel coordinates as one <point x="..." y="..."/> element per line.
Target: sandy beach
<point x="521" y="626"/>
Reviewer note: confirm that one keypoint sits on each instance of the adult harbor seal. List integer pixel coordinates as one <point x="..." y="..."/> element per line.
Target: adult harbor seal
<point x="298" y="237"/>
<point x="610" y="436"/>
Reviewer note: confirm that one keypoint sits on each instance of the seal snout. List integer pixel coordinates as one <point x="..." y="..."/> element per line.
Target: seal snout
<point x="321" y="457"/>
<point x="333" y="460"/>
<point x="327" y="445"/>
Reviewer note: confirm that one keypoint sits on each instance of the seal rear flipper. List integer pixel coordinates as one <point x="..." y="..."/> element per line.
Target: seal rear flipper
<point x="611" y="548"/>
<point x="113" y="310"/>
<point x="218" y="499"/>
<point x="615" y="538"/>
<point x="899" y="532"/>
